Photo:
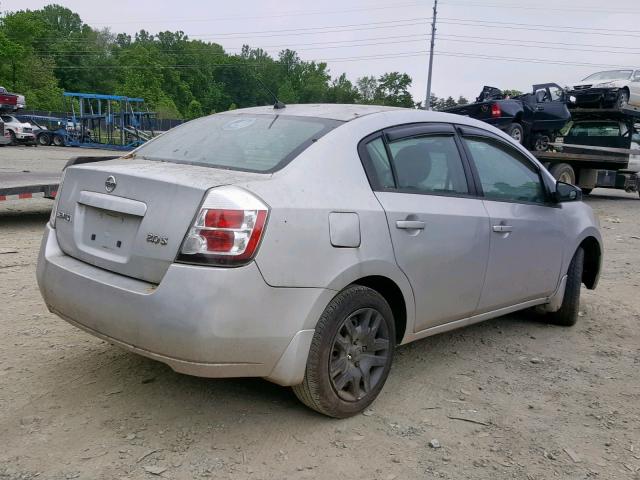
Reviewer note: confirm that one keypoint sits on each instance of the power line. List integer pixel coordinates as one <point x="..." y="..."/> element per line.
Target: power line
<point x="279" y="15"/>
<point x="546" y="47"/>
<point x="458" y="3"/>
<point x="548" y="28"/>
<point x="299" y="31"/>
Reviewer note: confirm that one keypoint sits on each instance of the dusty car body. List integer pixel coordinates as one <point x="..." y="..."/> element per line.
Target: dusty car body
<point x="533" y="119"/>
<point x="303" y="244"/>
<point x="610" y="89"/>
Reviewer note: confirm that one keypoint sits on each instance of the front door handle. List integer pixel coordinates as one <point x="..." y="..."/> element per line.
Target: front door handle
<point x="410" y="224"/>
<point x="502" y="228"/>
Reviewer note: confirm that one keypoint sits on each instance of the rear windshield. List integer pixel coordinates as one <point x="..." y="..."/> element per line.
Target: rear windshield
<point x="254" y="143"/>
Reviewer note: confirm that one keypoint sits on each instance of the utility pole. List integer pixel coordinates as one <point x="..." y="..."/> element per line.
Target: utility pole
<point x="427" y="102"/>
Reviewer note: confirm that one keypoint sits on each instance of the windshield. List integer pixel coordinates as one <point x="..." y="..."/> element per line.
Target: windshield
<point x="611" y="75"/>
<point x="255" y="143"/>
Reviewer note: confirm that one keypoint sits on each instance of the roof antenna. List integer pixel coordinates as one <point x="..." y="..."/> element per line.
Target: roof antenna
<point x="278" y="105"/>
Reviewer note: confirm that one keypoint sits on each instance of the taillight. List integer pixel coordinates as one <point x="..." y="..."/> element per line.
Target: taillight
<point x="227" y="230"/>
<point x="496" y="112"/>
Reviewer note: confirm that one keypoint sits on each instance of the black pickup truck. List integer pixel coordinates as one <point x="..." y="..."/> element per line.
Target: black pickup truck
<point x="533" y="119"/>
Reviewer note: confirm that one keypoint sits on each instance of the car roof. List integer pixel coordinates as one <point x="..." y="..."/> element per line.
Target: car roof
<point x="332" y="111"/>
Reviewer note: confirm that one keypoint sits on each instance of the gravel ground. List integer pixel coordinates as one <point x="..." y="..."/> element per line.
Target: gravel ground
<point x="511" y="398"/>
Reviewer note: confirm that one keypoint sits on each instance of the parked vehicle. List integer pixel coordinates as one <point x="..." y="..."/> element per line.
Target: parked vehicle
<point x="533" y="119"/>
<point x="19" y="132"/>
<point x="600" y="149"/>
<point x="10" y="102"/>
<point x="610" y="89"/>
<point x="48" y="130"/>
<point x="303" y="244"/>
<point x="5" y="138"/>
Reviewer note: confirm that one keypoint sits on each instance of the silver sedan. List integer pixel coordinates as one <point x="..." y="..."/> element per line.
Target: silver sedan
<point x="304" y="244"/>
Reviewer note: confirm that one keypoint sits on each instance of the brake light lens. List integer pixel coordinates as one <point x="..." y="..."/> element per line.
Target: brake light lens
<point x="496" y="112"/>
<point x="227" y="230"/>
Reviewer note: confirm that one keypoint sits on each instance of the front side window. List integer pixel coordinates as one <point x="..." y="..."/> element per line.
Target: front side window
<point x="255" y="143"/>
<point x="429" y="164"/>
<point x="504" y="175"/>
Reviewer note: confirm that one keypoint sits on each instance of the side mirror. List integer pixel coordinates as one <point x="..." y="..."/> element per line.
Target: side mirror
<point x="565" y="192"/>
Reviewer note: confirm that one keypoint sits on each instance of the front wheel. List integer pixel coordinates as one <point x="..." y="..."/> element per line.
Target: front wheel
<point x="623" y="99"/>
<point x="12" y="136"/>
<point x="568" y="313"/>
<point x="351" y="354"/>
<point x="563" y="172"/>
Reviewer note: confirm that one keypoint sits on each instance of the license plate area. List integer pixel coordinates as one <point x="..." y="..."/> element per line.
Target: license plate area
<point x="106" y="234"/>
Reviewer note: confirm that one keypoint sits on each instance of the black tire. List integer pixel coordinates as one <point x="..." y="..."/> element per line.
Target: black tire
<point x="563" y="173"/>
<point x="333" y="356"/>
<point x="44" y="139"/>
<point x="516" y="132"/>
<point x="586" y="191"/>
<point x="568" y="313"/>
<point x="58" y="141"/>
<point x="12" y="135"/>
<point x="623" y="99"/>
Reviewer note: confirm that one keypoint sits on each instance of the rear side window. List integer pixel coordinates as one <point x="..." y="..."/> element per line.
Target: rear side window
<point x="429" y="164"/>
<point x="504" y="175"/>
<point x="255" y="143"/>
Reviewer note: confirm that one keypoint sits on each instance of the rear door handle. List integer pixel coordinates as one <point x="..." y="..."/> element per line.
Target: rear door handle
<point x="410" y="224"/>
<point x="502" y="228"/>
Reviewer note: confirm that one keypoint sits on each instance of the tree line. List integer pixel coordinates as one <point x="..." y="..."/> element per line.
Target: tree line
<point x="47" y="51"/>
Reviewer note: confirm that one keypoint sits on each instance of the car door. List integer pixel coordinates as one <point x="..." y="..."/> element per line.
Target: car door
<point x="439" y="228"/>
<point x="526" y="247"/>
<point x="634" y="90"/>
<point x="551" y="112"/>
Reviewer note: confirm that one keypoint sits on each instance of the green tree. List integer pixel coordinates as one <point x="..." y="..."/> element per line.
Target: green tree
<point x="393" y="90"/>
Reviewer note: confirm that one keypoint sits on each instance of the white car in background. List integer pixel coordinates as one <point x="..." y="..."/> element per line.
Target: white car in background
<point x="610" y="89"/>
<point x="19" y="132"/>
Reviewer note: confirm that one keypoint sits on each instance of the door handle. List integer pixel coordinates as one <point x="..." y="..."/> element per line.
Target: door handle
<point x="410" y="224"/>
<point x="539" y="109"/>
<point x="502" y="228"/>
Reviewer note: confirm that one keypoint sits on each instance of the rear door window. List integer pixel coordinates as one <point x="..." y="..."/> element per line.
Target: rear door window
<point x="429" y="164"/>
<point x="255" y="143"/>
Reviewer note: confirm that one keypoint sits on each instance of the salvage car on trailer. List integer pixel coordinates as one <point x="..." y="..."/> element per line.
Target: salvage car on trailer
<point x="532" y="119"/>
<point x="610" y="89"/>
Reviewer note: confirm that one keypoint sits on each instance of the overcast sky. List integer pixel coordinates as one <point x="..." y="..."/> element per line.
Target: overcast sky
<point x="350" y="34"/>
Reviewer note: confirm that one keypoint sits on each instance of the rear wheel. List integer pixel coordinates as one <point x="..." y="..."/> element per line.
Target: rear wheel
<point x="568" y="313"/>
<point x="58" y="141"/>
<point x="516" y="132"/>
<point x="350" y="355"/>
<point x="563" y="172"/>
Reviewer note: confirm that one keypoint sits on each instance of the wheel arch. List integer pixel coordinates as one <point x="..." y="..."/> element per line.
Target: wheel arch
<point x="389" y="281"/>
<point x="592" y="261"/>
<point x="391" y="292"/>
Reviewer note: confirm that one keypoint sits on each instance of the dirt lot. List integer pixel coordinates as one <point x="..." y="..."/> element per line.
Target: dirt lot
<point x="549" y="402"/>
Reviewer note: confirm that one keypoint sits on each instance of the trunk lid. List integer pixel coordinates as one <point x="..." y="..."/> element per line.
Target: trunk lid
<point x="130" y="216"/>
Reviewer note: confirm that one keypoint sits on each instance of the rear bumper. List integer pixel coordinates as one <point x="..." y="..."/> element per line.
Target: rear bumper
<point x="605" y="97"/>
<point x="210" y="322"/>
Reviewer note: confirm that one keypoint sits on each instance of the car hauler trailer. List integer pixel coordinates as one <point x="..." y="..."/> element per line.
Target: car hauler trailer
<point x="601" y="149"/>
<point x="23" y="185"/>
